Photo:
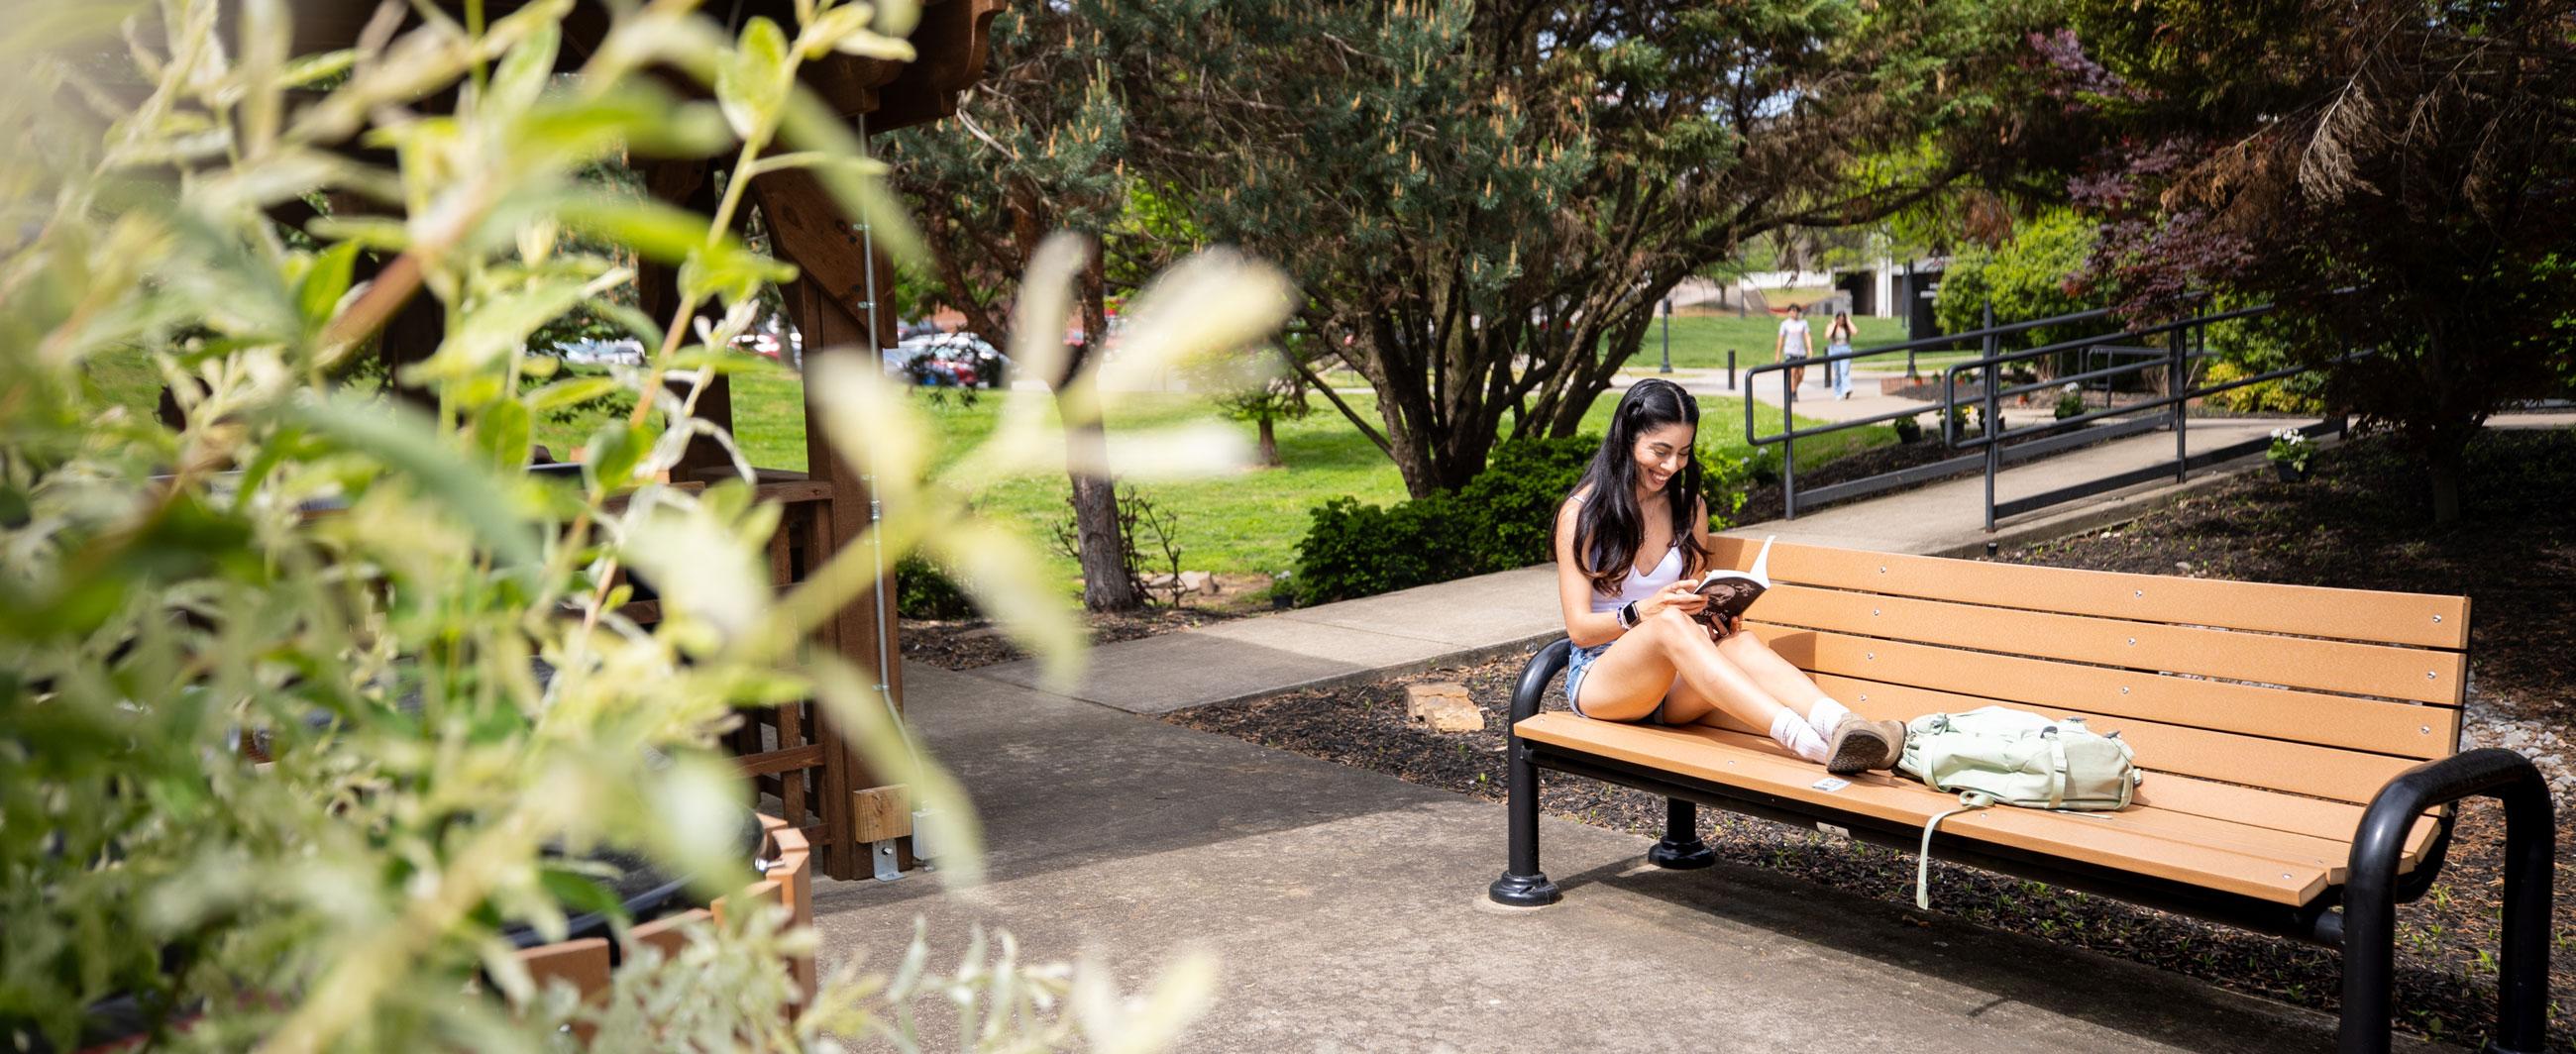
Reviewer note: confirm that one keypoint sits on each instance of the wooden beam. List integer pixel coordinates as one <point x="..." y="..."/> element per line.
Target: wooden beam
<point x="882" y="813"/>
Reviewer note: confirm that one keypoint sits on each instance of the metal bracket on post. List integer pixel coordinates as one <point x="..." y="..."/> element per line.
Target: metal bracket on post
<point x="883" y="859"/>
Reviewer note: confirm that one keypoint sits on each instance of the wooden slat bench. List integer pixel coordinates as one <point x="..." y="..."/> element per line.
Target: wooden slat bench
<point x="2302" y="746"/>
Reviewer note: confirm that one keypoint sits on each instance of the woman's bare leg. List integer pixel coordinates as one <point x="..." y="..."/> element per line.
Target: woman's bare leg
<point x="1639" y="670"/>
<point x="1777" y="676"/>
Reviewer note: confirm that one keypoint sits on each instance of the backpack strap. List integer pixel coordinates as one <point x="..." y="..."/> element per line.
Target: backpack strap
<point x="2057" y="768"/>
<point x="1969" y="801"/>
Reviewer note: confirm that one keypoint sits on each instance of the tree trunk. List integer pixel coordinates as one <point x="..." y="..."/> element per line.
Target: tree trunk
<point x="1269" y="444"/>
<point x="1099" y="546"/>
<point x="1105" y="584"/>
<point x="2447" y="467"/>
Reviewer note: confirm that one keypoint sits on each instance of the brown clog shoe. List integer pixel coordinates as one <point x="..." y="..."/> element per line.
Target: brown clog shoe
<point x="1860" y="744"/>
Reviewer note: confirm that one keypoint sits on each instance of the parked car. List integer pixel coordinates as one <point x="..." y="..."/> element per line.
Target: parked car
<point x="961" y="360"/>
<point x="592" y="351"/>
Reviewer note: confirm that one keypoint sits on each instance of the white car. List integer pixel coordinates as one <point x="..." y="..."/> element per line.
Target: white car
<point x="950" y="358"/>
<point x="590" y="351"/>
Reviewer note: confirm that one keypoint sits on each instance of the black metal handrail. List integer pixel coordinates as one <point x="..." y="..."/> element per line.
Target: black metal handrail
<point x="2185" y="343"/>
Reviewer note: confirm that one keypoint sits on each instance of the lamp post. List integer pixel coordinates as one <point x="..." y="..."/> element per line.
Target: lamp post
<point x="1668" y="336"/>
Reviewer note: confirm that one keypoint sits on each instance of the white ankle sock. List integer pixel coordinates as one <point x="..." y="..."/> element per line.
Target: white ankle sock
<point x="1793" y="732"/>
<point x="1825" y="715"/>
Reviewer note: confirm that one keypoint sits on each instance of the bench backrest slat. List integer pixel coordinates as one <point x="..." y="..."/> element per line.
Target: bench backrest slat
<point x="2412" y="730"/>
<point x="2319" y="692"/>
<point x="2300" y="768"/>
<point x="2414" y="619"/>
<point x="2420" y="675"/>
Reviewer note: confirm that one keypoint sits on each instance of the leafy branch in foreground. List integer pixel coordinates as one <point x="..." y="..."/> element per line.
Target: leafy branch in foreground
<point x="308" y="698"/>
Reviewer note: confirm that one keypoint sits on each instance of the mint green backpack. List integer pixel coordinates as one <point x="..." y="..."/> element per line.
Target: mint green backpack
<point x="1997" y="755"/>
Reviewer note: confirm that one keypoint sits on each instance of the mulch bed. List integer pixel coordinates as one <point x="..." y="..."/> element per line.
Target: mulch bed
<point x="2360" y="522"/>
<point x="1764" y="502"/>
<point x="964" y="644"/>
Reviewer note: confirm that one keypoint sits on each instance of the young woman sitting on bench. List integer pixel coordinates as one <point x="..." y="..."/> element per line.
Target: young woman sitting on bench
<point x="1631" y="543"/>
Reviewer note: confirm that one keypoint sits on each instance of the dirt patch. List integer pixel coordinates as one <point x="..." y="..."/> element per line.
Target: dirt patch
<point x="2360" y="522"/>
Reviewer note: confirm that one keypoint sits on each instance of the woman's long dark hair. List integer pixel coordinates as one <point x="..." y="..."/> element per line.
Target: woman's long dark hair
<point x="1609" y="528"/>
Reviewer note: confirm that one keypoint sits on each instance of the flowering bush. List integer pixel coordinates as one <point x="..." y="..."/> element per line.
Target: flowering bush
<point x="2070" y="400"/>
<point x="2290" y="447"/>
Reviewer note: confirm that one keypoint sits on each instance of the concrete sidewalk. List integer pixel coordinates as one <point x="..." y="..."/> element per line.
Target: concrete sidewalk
<point x="1347" y="911"/>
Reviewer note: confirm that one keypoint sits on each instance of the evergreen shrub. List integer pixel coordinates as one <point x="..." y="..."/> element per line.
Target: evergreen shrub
<point x="1498" y="521"/>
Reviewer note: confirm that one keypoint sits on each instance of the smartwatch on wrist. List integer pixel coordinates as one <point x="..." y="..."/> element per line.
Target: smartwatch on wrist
<point x="1628" y="615"/>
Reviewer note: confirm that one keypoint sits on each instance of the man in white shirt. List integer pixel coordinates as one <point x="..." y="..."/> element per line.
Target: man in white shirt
<point x="1793" y="344"/>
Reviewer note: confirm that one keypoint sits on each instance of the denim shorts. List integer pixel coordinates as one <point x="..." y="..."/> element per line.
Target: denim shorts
<point x="1580" y="661"/>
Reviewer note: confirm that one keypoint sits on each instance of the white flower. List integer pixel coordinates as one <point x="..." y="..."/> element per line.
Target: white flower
<point x="2071" y="388"/>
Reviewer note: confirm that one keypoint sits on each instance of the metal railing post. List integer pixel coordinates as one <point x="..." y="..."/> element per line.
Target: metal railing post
<point x="1986" y="425"/>
<point x="1668" y="336"/>
<point x="1730" y="369"/>
<point x="2175" y="386"/>
<point x="1788" y="444"/>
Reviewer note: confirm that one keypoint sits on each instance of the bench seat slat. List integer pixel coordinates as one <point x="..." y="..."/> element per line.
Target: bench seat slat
<point x="2326" y="854"/>
<point x="2421" y="620"/>
<point x="2271" y="810"/>
<point x="2408" y="729"/>
<point x="2252" y="806"/>
<point x="2336" y="666"/>
<point x="1702" y="753"/>
<point x="2299" y="768"/>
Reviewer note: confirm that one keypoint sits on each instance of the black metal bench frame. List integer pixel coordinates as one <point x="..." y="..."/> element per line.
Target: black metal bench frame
<point x="2359" y="917"/>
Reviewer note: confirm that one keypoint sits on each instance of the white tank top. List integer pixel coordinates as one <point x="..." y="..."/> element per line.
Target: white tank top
<point x="1640" y="586"/>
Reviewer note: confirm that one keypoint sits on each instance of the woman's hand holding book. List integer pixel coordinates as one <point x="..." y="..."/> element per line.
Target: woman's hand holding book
<point x="1679" y="596"/>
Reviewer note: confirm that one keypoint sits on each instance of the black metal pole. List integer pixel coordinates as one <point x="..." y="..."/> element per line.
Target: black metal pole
<point x="2370" y="896"/>
<point x="1681" y="849"/>
<point x="1788" y="442"/>
<point x="1668" y="336"/>
<point x="2174" y="385"/>
<point x="1994" y="450"/>
<point x="1522" y="884"/>
<point x="1730" y="369"/>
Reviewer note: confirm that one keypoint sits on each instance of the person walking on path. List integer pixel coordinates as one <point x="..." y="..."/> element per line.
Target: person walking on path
<point x="1794" y="344"/>
<point x="1838" y="341"/>
<point x="1631" y="541"/>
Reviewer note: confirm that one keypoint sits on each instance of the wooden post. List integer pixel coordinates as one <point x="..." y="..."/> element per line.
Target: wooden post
<point x="657" y="294"/>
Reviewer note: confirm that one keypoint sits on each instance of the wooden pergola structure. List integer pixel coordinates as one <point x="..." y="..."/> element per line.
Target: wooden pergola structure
<point x="807" y="774"/>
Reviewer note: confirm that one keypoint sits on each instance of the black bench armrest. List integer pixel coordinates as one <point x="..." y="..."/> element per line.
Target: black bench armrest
<point x="1542" y="669"/>
<point x="2372" y="891"/>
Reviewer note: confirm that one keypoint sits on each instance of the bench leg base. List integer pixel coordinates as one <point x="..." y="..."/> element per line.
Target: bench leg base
<point x="1681" y="849"/>
<point x="1523" y="891"/>
<point x="1682" y="856"/>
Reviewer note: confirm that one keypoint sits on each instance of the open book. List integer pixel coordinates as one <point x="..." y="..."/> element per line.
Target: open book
<point x="1730" y="592"/>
